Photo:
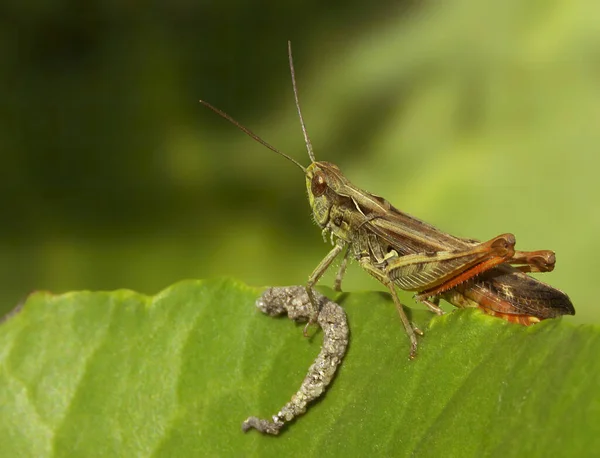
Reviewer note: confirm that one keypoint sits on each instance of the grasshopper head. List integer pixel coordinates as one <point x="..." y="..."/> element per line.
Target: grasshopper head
<point x="322" y="181"/>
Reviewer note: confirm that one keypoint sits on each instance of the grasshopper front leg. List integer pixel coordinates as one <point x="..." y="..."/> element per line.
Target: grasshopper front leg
<point x="316" y="275"/>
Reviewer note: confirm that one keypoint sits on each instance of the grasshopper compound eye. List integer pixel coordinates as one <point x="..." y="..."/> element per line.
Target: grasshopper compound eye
<point x="318" y="185"/>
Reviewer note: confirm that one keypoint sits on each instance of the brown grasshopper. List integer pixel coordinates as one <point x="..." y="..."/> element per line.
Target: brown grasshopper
<point x="402" y="251"/>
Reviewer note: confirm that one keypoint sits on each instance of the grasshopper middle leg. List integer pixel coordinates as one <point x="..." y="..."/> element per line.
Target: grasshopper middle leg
<point x="337" y="285"/>
<point x="411" y="331"/>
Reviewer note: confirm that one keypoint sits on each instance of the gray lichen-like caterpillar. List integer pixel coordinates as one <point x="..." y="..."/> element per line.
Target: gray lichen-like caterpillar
<point x="332" y="319"/>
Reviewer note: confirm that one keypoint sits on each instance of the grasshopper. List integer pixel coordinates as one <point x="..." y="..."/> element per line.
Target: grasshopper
<point x="402" y="251"/>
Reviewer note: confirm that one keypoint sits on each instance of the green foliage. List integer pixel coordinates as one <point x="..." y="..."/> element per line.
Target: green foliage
<point x="123" y="374"/>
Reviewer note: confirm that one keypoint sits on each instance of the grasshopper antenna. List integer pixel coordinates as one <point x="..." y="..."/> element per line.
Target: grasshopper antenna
<point x="251" y="134"/>
<point x="309" y="147"/>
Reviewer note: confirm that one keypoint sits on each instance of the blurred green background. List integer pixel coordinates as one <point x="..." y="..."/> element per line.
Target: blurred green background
<point x="480" y="117"/>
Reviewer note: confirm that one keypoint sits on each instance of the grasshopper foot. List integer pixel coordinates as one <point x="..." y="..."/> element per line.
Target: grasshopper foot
<point x="413" y="349"/>
<point x="413" y="340"/>
<point x="308" y="324"/>
<point x="337" y="285"/>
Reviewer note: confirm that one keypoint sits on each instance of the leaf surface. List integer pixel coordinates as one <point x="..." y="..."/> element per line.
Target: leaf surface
<point x="123" y="374"/>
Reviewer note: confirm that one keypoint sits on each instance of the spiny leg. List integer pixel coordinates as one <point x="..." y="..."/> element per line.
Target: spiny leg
<point x="463" y="276"/>
<point x="430" y="274"/>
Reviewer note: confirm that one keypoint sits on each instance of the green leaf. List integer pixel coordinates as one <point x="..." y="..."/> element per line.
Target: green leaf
<point x="123" y="374"/>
